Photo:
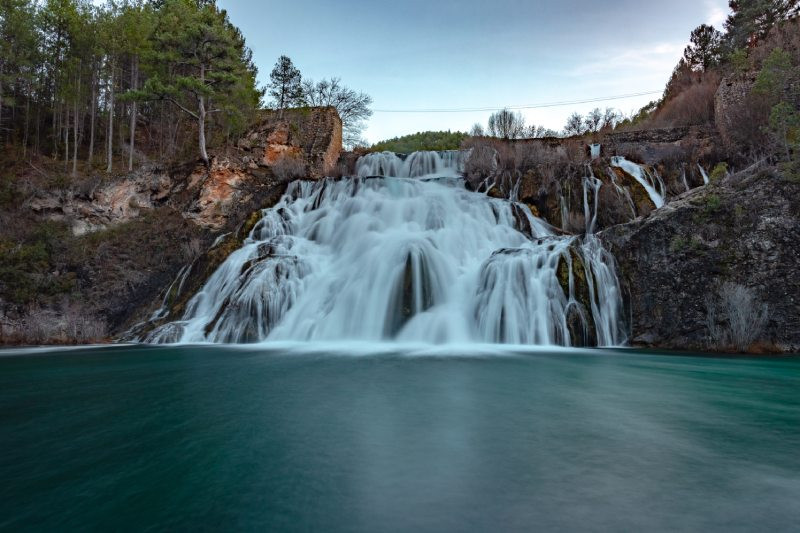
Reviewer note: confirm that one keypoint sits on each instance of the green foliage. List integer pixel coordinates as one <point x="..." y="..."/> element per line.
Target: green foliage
<point x="705" y="48"/>
<point x="201" y="65"/>
<point x="774" y="71"/>
<point x="751" y="20"/>
<point x="681" y="244"/>
<point x="26" y="267"/>
<point x="713" y="203"/>
<point x="286" y="86"/>
<point x="75" y="70"/>
<point x="784" y="127"/>
<point x="7" y="192"/>
<point x="425" y="140"/>
<point x="720" y="171"/>
<point x="739" y="61"/>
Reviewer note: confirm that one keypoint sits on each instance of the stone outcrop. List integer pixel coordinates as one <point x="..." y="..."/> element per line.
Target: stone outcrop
<point x="209" y="196"/>
<point x="743" y="230"/>
<point x="734" y="104"/>
<point x="97" y="205"/>
<point x="312" y="135"/>
<point x="732" y="95"/>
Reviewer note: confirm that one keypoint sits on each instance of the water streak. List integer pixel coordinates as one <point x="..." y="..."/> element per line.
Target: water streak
<point x="648" y="179"/>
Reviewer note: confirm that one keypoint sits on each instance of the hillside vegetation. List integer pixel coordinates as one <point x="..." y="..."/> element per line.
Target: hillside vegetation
<point x="424" y="140"/>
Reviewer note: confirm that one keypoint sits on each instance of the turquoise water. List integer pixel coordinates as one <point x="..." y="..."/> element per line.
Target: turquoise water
<point x="325" y="439"/>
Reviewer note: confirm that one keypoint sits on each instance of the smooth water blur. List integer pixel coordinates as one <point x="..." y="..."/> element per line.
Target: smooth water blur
<point x="396" y="439"/>
<point x="406" y="260"/>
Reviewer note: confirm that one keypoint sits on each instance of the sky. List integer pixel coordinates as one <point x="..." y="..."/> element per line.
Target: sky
<point x="445" y="54"/>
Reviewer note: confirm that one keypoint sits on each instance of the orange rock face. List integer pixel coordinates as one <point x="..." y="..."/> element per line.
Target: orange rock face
<point x="274" y="152"/>
<point x="219" y="191"/>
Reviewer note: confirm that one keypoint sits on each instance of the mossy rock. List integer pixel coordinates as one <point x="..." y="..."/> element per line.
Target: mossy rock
<point x="580" y="284"/>
<point x="641" y="199"/>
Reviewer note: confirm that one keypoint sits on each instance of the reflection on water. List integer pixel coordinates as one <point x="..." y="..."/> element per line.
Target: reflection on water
<point x="297" y="438"/>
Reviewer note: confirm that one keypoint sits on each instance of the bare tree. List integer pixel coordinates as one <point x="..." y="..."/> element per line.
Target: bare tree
<point x="506" y="124"/>
<point x="736" y="318"/>
<point x="610" y="118"/>
<point x="477" y="130"/>
<point x="533" y="131"/>
<point x="352" y="106"/>
<point x="575" y="125"/>
<point x="594" y="120"/>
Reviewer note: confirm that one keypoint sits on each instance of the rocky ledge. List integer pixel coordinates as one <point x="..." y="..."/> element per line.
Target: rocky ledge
<point x="678" y="262"/>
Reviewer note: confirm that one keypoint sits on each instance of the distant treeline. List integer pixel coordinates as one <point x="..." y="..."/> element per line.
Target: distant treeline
<point x="423" y="140"/>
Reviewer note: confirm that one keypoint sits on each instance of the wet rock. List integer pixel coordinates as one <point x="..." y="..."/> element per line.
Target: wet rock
<point x="672" y="262"/>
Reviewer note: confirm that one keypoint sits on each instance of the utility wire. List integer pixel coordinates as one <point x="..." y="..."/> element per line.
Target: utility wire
<point x="516" y="107"/>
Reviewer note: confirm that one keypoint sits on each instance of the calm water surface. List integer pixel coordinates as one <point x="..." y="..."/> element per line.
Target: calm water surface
<point x="326" y="439"/>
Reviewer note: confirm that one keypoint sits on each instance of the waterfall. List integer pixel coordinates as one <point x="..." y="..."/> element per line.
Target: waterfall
<point x="448" y="163"/>
<point x="703" y="173"/>
<point x="622" y="192"/>
<point x="651" y="181"/>
<point x="590" y="182"/>
<point x="408" y="260"/>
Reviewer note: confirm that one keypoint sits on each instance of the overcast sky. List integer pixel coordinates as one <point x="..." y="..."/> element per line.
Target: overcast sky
<point x="435" y="54"/>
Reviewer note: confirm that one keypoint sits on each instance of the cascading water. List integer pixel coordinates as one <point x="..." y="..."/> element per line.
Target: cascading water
<point x="703" y="173"/>
<point x="408" y="260"/>
<point x="448" y="163"/>
<point x="651" y="181"/>
<point x="590" y="183"/>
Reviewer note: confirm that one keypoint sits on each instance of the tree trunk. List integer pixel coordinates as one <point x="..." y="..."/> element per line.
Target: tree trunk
<point x="38" y="127"/>
<point x="56" y="125"/>
<point x="91" y="126"/>
<point x="110" y="136"/>
<point x="201" y="124"/>
<point x="201" y="119"/>
<point x="66" y="135"/>
<point x="75" y="132"/>
<point x="27" y="118"/>
<point x="1" y="98"/>
<point x="134" y="83"/>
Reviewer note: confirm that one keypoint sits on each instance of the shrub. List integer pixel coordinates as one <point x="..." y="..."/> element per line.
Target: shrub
<point x="712" y="204"/>
<point x="289" y="168"/>
<point x="735" y="318"/>
<point x="482" y="161"/>
<point x="719" y="172"/>
<point x="692" y="102"/>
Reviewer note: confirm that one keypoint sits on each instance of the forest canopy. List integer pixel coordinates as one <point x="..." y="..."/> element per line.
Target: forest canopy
<point x="424" y="140"/>
<point x="120" y="81"/>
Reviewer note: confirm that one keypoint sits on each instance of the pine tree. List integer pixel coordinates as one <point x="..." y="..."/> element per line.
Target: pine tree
<point x="705" y="50"/>
<point x="18" y="45"/>
<point x="200" y="63"/>
<point x="751" y="20"/>
<point x="286" y="84"/>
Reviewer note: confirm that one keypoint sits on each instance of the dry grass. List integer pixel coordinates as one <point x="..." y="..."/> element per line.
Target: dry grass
<point x="289" y="168"/>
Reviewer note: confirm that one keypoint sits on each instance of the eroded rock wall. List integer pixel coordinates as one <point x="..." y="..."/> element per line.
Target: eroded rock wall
<point x="743" y="230"/>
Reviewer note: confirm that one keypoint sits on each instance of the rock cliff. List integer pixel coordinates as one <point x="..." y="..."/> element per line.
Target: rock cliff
<point x="106" y="248"/>
<point x="743" y="230"/>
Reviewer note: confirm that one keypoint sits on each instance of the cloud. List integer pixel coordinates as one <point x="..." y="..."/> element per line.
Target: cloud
<point x="715" y="13"/>
<point x="656" y="58"/>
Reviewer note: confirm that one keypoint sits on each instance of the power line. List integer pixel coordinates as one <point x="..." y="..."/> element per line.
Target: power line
<point x="517" y="107"/>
